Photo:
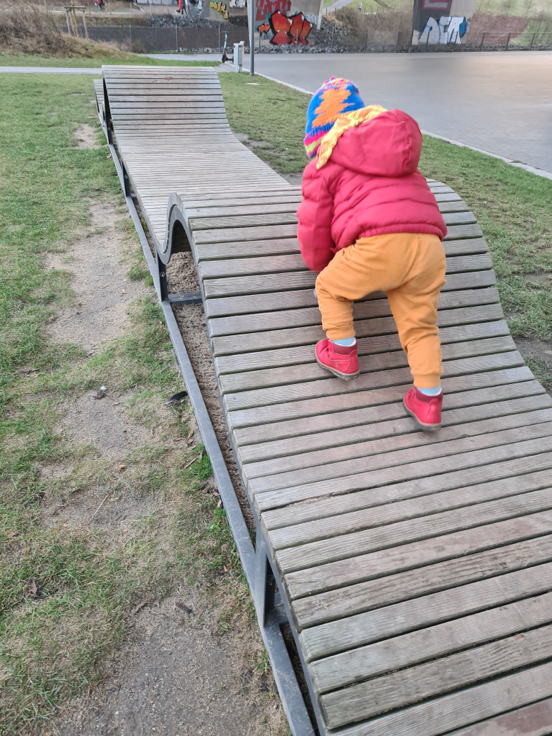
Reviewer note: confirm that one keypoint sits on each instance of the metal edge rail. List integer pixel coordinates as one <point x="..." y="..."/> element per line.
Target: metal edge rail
<point x="255" y="562"/>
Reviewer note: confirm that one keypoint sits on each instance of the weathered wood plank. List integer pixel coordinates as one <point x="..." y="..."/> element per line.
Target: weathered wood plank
<point x="390" y="377"/>
<point x="322" y="526"/>
<point x="417" y="554"/>
<point x="532" y="720"/>
<point x="357" y="425"/>
<point x="359" y="457"/>
<point x="274" y="320"/>
<point x="397" y="619"/>
<point x="437" y="524"/>
<point x="248" y="342"/>
<point x="301" y="294"/>
<point x="215" y="289"/>
<point x="364" y="479"/>
<point x="287" y="419"/>
<point x="380" y="359"/>
<point x="475" y="703"/>
<point x="340" y="603"/>
<point x="409" y="649"/>
<point x="327" y="506"/>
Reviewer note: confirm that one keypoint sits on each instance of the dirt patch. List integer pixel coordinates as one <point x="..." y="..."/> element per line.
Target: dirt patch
<point x="105" y="424"/>
<point x="178" y="678"/>
<point x="191" y="321"/>
<point x="87" y="136"/>
<point x="175" y="673"/>
<point x="103" y="290"/>
<point x="182" y="277"/>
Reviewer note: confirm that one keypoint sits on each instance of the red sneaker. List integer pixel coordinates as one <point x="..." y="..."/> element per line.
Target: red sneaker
<point x="426" y="410"/>
<point x="340" y="360"/>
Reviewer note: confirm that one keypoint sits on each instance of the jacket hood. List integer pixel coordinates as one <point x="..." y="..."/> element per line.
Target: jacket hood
<point x="388" y="145"/>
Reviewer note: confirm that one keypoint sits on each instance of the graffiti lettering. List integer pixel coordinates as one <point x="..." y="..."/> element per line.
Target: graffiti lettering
<point x="220" y="8"/>
<point x="446" y="30"/>
<point x="265" y="8"/>
<point x="292" y="30"/>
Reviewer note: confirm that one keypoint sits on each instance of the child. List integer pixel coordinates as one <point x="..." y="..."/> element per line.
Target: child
<point x="369" y="222"/>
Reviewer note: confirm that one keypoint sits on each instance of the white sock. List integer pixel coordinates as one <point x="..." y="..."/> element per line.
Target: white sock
<point x="347" y="342"/>
<point x="430" y="391"/>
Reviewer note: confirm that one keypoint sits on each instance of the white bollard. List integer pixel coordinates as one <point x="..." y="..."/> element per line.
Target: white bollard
<point x="238" y="56"/>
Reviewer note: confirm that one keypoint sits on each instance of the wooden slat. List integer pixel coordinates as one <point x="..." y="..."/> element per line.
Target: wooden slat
<point x="280" y="496"/>
<point x="338" y="604"/>
<point x="462" y="669"/>
<point x="259" y="321"/>
<point x="416" y="554"/>
<point x="351" y="544"/>
<point x="390" y="377"/>
<point x="436" y="641"/>
<point x="386" y="622"/>
<point x="284" y="419"/>
<point x="322" y="524"/>
<point x="388" y="354"/>
<point x="532" y="720"/>
<point x="383" y="419"/>
<point x="267" y="359"/>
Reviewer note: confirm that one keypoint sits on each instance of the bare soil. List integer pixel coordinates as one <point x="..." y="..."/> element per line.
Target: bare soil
<point x="182" y="277"/>
<point x="175" y="675"/>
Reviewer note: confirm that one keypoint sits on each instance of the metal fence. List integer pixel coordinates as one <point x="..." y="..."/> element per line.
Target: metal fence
<point x="492" y="41"/>
<point x="145" y="39"/>
<point x="393" y="41"/>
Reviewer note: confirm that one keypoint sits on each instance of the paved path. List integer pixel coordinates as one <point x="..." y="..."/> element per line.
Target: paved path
<point x="499" y="102"/>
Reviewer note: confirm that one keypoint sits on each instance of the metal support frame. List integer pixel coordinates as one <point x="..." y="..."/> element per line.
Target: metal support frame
<point x="271" y="605"/>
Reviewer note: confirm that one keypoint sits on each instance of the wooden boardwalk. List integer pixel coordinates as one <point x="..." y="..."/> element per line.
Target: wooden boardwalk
<point x="416" y="568"/>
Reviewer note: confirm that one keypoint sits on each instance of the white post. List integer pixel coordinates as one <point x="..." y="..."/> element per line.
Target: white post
<point x="252" y="13"/>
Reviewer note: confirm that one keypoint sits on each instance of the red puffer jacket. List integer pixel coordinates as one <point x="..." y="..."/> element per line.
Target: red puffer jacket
<point x="369" y="186"/>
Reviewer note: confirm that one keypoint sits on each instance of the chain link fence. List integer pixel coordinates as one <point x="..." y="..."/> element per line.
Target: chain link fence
<point x="146" y="40"/>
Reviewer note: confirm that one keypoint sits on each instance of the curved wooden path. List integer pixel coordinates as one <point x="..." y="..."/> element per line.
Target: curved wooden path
<point x="415" y="569"/>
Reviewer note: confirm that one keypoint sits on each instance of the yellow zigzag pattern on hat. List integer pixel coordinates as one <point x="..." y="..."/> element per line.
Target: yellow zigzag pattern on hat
<point x="343" y="123"/>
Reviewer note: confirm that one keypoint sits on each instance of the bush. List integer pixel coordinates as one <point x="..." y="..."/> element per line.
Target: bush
<point x="27" y="29"/>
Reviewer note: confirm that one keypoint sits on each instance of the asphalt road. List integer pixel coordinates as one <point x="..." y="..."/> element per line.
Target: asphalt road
<point x="499" y="102"/>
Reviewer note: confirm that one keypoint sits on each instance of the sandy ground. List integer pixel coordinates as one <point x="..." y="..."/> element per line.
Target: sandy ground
<point x="174" y="675"/>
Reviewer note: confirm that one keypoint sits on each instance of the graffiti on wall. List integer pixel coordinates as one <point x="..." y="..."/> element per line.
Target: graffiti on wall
<point x="448" y="29"/>
<point x="280" y="25"/>
<point x="265" y="8"/>
<point x="286" y="30"/>
<point x="220" y="8"/>
<point x="441" y="21"/>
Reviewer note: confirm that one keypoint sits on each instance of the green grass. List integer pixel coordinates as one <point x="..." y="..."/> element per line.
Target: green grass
<point x="513" y="207"/>
<point x="80" y="63"/>
<point x="68" y="587"/>
<point x="270" y="112"/>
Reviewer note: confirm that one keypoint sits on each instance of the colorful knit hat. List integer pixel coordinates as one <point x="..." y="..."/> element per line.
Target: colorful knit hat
<point x="334" y="98"/>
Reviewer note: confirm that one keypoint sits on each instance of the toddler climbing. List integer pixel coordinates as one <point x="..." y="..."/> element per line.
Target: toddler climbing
<point x="369" y="222"/>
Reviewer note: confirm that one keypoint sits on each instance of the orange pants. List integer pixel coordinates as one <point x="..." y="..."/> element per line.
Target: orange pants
<point x="411" y="269"/>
